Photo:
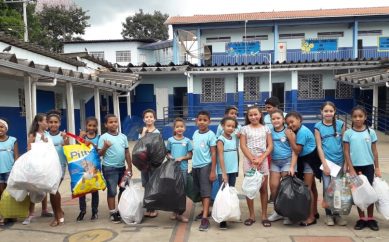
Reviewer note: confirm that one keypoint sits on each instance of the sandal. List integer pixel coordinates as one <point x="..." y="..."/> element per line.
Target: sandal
<point x="304" y="224"/>
<point x="151" y="214"/>
<point x="54" y="223"/>
<point x="373" y="225"/>
<point x="249" y="222"/>
<point x="266" y="223"/>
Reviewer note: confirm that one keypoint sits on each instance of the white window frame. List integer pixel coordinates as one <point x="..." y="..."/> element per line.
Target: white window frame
<point x="97" y="54"/>
<point x="123" y="56"/>
<point x="218" y="39"/>
<point x="213" y="90"/>
<point x="310" y="86"/>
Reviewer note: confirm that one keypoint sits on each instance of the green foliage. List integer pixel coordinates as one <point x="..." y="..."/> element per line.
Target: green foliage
<point x="146" y="26"/>
<point x="11" y="21"/>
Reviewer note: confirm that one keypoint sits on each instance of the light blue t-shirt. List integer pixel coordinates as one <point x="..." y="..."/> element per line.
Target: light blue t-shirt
<point x="281" y="145"/>
<point x="360" y="142"/>
<point x="95" y="140"/>
<point x="202" y="143"/>
<point x="115" y="154"/>
<point x="179" y="148"/>
<point x="331" y="141"/>
<point x="306" y="139"/>
<point x="230" y="155"/>
<point x="220" y="130"/>
<point x="58" y="143"/>
<point x="7" y="154"/>
<point x="267" y="120"/>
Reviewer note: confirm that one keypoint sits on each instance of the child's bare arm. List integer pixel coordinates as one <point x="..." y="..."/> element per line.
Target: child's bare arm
<point x="16" y="151"/>
<point x="128" y="160"/>
<point x="212" y="176"/>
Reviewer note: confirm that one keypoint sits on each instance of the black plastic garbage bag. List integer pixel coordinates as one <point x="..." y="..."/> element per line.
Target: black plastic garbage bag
<point x="149" y="151"/>
<point x="166" y="189"/>
<point x="293" y="199"/>
<point x="191" y="190"/>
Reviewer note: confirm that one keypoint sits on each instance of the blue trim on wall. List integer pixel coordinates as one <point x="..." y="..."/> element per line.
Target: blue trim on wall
<point x="144" y="98"/>
<point x="191" y="104"/>
<point x="45" y="101"/>
<point x="241" y="103"/>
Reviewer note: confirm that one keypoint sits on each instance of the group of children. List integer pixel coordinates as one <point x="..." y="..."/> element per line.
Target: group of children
<point x="277" y="144"/>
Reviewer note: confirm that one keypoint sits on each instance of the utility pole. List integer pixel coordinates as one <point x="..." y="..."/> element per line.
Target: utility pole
<point x="24" y="15"/>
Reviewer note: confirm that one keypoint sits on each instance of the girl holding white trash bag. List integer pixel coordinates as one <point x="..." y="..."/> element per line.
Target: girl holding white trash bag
<point x="227" y="156"/>
<point x="361" y="156"/>
<point x="256" y="144"/>
<point x="38" y="134"/>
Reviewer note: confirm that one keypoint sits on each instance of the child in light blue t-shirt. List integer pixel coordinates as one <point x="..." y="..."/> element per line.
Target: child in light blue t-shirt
<point x="227" y="158"/>
<point x="113" y="147"/>
<point x="361" y="156"/>
<point x="9" y="152"/>
<point x="328" y="135"/>
<point x="180" y="149"/>
<point x="204" y="163"/>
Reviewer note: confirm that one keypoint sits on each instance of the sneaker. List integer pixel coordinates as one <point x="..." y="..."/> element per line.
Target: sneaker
<point x="361" y="224"/>
<point x="81" y="216"/>
<point x="329" y="220"/>
<point x="373" y="225"/>
<point x="339" y="220"/>
<point x="94" y="216"/>
<point x="223" y="225"/>
<point x="287" y="221"/>
<point x="200" y="215"/>
<point x="27" y="221"/>
<point x="115" y="218"/>
<point x="275" y="217"/>
<point x="204" y="225"/>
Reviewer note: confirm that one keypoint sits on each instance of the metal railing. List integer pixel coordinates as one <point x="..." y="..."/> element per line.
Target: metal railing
<point x="377" y="118"/>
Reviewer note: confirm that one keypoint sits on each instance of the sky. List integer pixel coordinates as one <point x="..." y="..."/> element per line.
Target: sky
<point x="107" y="16"/>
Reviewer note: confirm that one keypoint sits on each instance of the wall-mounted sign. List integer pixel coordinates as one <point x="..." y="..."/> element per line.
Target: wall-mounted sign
<point x="383" y="43"/>
<point x="243" y="48"/>
<point x="316" y="45"/>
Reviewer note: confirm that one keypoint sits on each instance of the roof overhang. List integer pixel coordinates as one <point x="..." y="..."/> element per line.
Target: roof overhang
<point x="366" y="78"/>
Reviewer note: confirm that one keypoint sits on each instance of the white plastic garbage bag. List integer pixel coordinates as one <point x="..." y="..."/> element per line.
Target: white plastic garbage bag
<point x="222" y="205"/>
<point x="38" y="170"/>
<point x="235" y="208"/>
<point x="18" y="195"/>
<point x="252" y="183"/>
<point x="364" y="195"/>
<point x="131" y="204"/>
<point x="381" y="187"/>
<point x="37" y="197"/>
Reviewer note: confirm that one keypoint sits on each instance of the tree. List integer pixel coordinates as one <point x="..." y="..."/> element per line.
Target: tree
<point x="62" y="23"/>
<point x="146" y="26"/>
<point x="11" y="21"/>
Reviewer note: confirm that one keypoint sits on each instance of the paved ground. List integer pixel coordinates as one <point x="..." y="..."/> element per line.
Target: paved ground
<point x="163" y="229"/>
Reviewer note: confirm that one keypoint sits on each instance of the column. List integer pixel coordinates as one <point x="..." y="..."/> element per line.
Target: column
<point x="190" y="95"/>
<point x="33" y="97"/>
<point x="129" y="104"/>
<point x="355" y="39"/>
<point x="294" y="90"/>
<point x="97" y="108"/>
<point x="275" y="32"/>
<point x="28" y="103"/>
<point x="176" y="48"/>
<point x="241" y="94"/>
<point x="82" y="114"/>
<point x="374" y="118"/>
<point x="116" y="108"/>
<point x="70" y="109"/>
<point x="198" y="36"/>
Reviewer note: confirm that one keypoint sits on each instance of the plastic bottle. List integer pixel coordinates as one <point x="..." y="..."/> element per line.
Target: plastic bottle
<point x="126" y="177"/>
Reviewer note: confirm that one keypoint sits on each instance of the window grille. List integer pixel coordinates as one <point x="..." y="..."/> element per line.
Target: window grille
<point x="292" y="36"/>
<point x="123" y="56"/>
<point x="310" y="86"/>
<point x="251" y="89"/>
<point x="218" y="39"/>
<point x="97" y="54"/>
<point x="58" y="98"/>
<point x="213" y="90"/>
<point x="343" y="91"/>
<point x="330" y="34"/>
<point x="255" y="37"/>
<point x="369" y="32"/>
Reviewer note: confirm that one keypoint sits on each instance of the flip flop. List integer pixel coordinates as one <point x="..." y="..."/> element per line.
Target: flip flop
<point x="304" y="224"/>
<point x="151" y="214"/>
<point x="266" y="223"/>
<point x="249" y="222"/>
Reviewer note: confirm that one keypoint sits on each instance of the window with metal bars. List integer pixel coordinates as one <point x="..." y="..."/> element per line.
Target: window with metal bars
<point x="213" y="90"/>
<point x="251" y="89"/>
<point x="123" y="56"/>
<point x="22" y="102"/>
<point x="97" y="54"/>
<point x="343" y="91"/>
<point x="58" y="97"/>
<point x="310" y="86"/>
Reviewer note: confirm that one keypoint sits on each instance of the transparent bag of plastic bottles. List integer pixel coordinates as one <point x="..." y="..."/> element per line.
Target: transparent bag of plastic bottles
<point x="338" y="197"/>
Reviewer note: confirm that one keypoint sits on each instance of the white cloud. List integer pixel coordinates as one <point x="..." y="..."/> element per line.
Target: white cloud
<point x="107" y="16"/>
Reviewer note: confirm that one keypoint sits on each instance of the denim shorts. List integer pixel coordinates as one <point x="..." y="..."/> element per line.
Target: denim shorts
<point x="4" y="177"/>
<point x="307" y="168"/>
<point x="282" y="165"/>
<point x="113" y="176"/>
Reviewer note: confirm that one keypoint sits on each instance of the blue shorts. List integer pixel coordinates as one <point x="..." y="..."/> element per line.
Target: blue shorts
<point x="307" y="168"/>
<point x="4" y="177"/>
<point x="113" y="176"/>
<point x="231" y="179"/>
<point x="282" y="165"/>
